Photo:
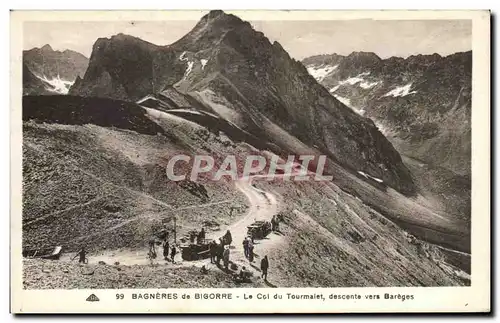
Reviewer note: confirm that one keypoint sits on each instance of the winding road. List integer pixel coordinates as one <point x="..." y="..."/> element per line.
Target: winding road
<point x="262" y="206"/>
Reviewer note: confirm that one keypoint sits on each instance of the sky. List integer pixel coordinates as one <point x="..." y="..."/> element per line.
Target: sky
<point x="301" y="39"/>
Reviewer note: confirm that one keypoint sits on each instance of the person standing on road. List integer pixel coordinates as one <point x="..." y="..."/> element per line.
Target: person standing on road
<point x="82" y="253"/>
<point x="172" y="254"/>
<point x="213" y="252"/>
<point x="264" y="266"/>
<point x="165" y="250"/>
<point x="152" y="248"/>
<point x="250" y="252"/>
<point x="228" y="239"/>
<point x="219" y="252"/>
<point x="245" y="247"/>
<point x="225" y="257"/>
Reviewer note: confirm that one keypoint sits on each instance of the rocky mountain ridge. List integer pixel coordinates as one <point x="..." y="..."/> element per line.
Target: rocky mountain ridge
<point x="50" y="63"/>
<point x="223" y="59"/>
<point x="423" y="102"/>
<point x="54" y="71"/>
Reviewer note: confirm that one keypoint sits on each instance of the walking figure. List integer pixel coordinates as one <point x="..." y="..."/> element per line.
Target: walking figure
<point x="250" y="252"/>
<point x="82" y="253"/>
<point x="225" y="257"/>
<point x="165" y="250"/>
<point x="201" y="235"/>
<point x="172" y="254"/>
<point x="213" y="252"/>
<point x="219" y="252"/>
<point x="152" y="249"/>
<point x="228" y="239"/>
<point x="264" y="266"/>
<point x="245" y="247"/>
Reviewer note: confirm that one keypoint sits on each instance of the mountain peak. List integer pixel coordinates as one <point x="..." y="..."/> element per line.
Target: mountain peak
<point x="364" y="55"/>
<point x="121" y="37"/>
<point x="214" y="25"/>
<point x="47" y="47"/>
<point x="216" y="13"/>
<point x="220" y="15"/>
<point x="122" y="41"/>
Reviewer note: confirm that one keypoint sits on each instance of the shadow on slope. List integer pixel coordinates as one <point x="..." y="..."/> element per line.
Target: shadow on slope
<point x="79" y="111"/>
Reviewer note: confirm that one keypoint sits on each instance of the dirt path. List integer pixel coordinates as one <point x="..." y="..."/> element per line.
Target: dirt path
<point x="263" y="206"/>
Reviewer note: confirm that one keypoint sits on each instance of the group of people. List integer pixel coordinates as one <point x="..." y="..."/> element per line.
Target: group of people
<point x="220" y="251"/>
<point x="166" y="249"/>
<point x="248" y="250"/>
<point x="199" y="237"/>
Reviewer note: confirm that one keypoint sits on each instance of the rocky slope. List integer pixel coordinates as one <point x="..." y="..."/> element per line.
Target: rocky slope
<point x="235" y="72"/>
<point x="102" y="184"/>
<point x="98" y="178"/>
<point x="47" y="274"/>
<point x="33" y="85"/>
<point x="58" y="70"/>
<point x="94" y="167"/>
<point x="423" y="102"/>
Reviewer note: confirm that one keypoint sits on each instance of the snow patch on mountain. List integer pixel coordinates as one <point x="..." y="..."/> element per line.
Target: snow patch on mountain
<point x="319" y="73"/>
<point x="203" y="63"/>
<point x="183" y="57"/>
<point x="368" y="85"/>
<point x="189" y="69"/>
<point x="190" y="64"/>
<point x="147" y="97"/>
<point x="381" y="128"/>
<point x="356" y="79"/>
<point x="347" y="102"/>
<point x="335" y="88"/>
<point x="187" y="111"/>
<point x="370" y="177"/>
<point x="400" y="91"/>
<point x="59" y="85"/>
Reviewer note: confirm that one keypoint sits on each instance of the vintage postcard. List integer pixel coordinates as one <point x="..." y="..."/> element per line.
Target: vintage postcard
<point x="250" y="161"/>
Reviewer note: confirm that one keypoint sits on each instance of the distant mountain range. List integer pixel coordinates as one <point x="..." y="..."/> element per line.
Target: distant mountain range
<point x="55" y="69"/>
<point x="422" y="103"/>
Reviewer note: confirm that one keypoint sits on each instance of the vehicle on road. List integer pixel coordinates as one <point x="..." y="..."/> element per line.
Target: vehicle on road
<point x="196" y="251"/>
<point x="259" y="229"/>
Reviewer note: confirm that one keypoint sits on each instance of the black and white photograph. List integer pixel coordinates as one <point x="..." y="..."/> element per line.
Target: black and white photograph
<point x="227" y="151"/>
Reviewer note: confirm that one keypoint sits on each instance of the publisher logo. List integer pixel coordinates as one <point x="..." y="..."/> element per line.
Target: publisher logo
<point x="92" y="298"/>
